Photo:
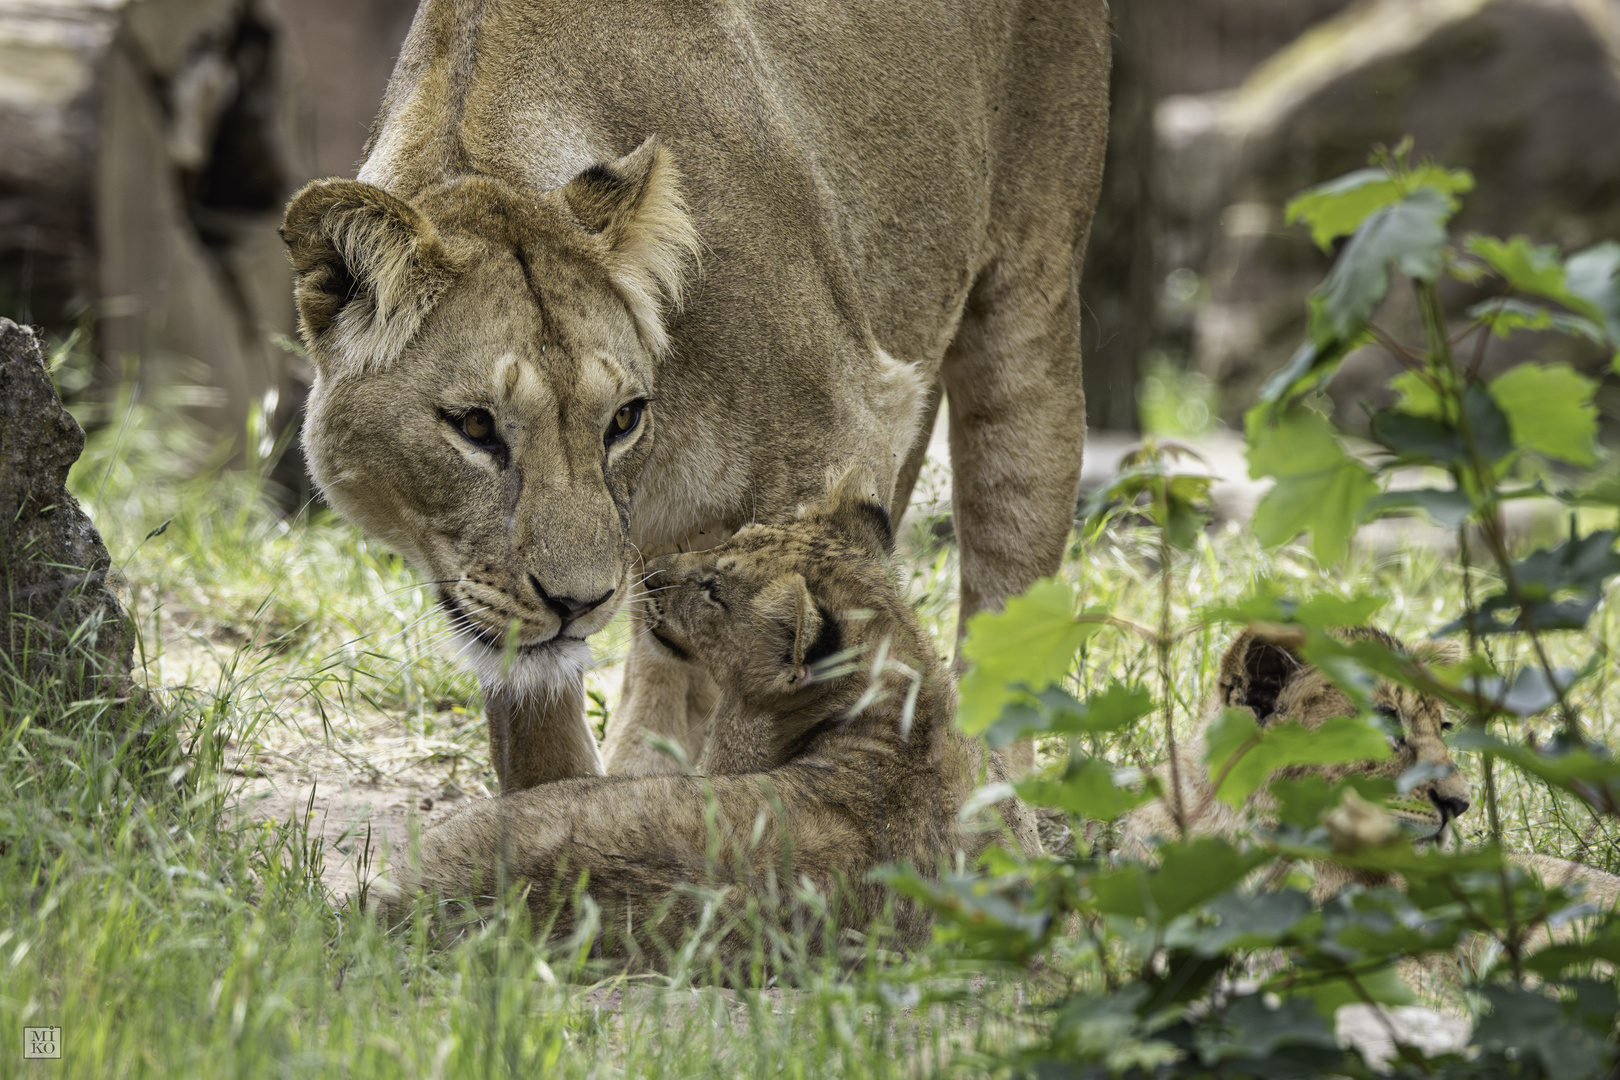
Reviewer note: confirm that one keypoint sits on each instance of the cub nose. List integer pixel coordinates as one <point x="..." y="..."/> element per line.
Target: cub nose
<point x="567" y="608"/>
<point x="1453" y="806"/>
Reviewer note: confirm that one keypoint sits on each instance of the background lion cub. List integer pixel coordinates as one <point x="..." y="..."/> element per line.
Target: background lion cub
<point x="1275" y="683"/>
<point x="832" y="751"/>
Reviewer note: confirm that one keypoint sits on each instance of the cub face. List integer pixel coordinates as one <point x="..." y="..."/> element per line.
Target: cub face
<point x="483" y="403"/>
<point x="1275" y="683"/>
<point x="764" y="609"/>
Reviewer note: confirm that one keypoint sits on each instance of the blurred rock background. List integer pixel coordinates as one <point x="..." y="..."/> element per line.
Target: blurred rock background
<point x="147" y="147"/>
<point x="1224" y="109"/>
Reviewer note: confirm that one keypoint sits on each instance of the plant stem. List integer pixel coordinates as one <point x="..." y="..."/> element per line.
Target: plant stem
<point x="1481" y="718"/>
<point x="1164" y="639"/>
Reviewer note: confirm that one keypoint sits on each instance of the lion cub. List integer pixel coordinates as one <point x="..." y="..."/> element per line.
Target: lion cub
<point x="1274" y="683"/>
<point x="833" y="751"/>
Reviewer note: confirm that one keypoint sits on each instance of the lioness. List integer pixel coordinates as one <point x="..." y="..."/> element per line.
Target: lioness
<point x="888" y="202"/>
<point x="834" y="751"/>
<point x="1275" y="683"/>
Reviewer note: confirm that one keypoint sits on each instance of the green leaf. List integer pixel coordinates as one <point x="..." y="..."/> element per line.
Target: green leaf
<point x="1311" y="366"/>
<point x="1247" y="754"/>
<point x="1252" y="922"/>
<point x="1255" y="1039"/>
<point x="1302" y="802"/>
<point x="1534" y="269"/>
<point x="1189" y="874"/>
<point x="1529" y="1022"/>
<point x="1086" y="790"/>
<point x="1448" y="509"/>
<point x="1032" y="642"/>
<point x="1602" y="944"/>
<point x="1268" y="604"/>
<point x="1338" y="207"/>
<point x="997" y="917"/>
<point x="1507" y="315"/>
<point x="1587" y="772"/>
<point x="1384" y="986"/>
<point x="1558" y="589"/>
<point x="1408" y="236"/>
<point x="1593" y="275"/>
<point x="1055" y="711"/>
<point x="1549" y="409"/>
<point x="1431" y="440"/>
<point x="1417" y="397"/>
<point x="1320" y="489"/>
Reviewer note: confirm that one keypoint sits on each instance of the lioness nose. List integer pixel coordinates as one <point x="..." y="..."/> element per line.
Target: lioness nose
<point x="567" y="608"/>
<point x="1452" y="807"/>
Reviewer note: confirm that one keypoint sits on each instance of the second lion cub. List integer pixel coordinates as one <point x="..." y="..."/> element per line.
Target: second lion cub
<point x="833" y="751"/>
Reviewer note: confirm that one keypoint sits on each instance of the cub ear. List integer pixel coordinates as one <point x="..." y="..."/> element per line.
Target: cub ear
<point x="369" y="267"/>
<point x="811" y="635"/>
<point x="633" y="206"/>
<point x="855" y="508"/>
<point x="1253" y="673"/>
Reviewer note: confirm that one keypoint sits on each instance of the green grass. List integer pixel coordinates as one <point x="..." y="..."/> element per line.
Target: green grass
<point x="153" y="915"/>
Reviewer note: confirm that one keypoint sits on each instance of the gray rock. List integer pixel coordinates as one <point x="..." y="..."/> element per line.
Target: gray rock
<point x="61" y="620"/>
<point x="1512" y="90"/>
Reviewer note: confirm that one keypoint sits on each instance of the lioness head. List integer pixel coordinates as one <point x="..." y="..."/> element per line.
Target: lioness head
<point x="767" y="610"/>
<point x="484" y="394"/>
<point x="1273" y="682"/>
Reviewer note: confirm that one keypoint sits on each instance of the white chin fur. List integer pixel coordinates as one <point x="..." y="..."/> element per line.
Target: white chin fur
<point x="539" y="672"/>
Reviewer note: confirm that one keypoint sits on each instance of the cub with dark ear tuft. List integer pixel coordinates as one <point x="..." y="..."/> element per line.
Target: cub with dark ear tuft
<point x="815" y="773"/>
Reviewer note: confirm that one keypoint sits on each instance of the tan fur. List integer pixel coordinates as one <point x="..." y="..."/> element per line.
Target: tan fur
<point x="873" y="201"/>
<point x="1273" y="682"/>
<point x="833" y="751"/>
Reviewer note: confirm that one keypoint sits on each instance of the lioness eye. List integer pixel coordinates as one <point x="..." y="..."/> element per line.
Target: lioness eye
<point x="625" y="420"/>
<point x="478" y="425"/>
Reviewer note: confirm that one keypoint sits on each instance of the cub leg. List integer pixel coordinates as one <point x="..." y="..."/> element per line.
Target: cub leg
<point x="537" y="738"/>
<point x="1017" y="429"/>
<point x="662" y="695"/>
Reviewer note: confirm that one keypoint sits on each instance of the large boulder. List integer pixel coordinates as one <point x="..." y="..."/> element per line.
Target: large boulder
<point x="1521" y="92"/>
<point x="60" y="618"/>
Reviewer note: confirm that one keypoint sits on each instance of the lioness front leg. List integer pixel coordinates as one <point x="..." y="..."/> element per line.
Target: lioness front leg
<point x="538" y="738"/>
<point x="663" y="696"/>
<point x="1017" y="429"/>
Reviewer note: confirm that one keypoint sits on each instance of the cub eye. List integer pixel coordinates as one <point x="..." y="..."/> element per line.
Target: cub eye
<point x="624" y="421"/>
<point x="711" y="590"/>
<point x="1446" y="725"/>
<point x="478" y="427"/>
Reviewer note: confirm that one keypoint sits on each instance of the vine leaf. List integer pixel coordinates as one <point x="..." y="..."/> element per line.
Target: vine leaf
<point x="1320" y="489"/>
<point x="1244" y="755"/>
<point x="1559" y="588"/>
<point x="1055" y="711"/>
<point x="1549" y="409"/>
<point x="1031" y="642"/>
<point x="1408" y="236"/>
<point x="1338" y="207"/>
<point x="1087" y="789"/>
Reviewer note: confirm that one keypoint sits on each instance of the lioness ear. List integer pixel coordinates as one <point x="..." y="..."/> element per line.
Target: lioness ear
<point x="634" y="206"/>
<point x="1253" y="673"/>
<point x="811" y="636"/>
<point x="369" y="269"/>
<point x="855" y="507"/>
